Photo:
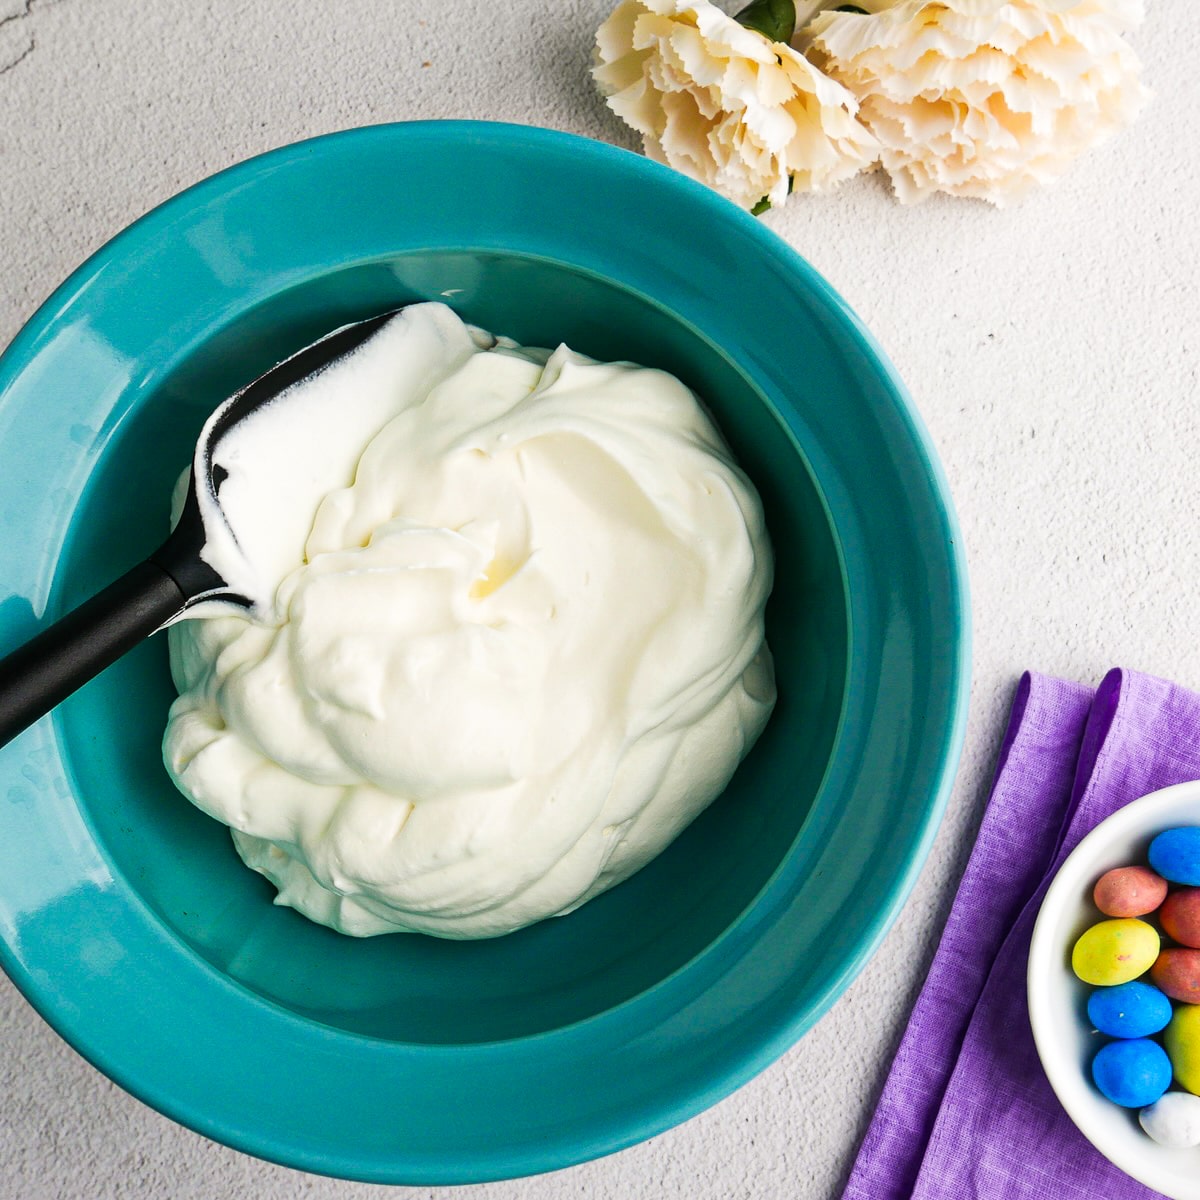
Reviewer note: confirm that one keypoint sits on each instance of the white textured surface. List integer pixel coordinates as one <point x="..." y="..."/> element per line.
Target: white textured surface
<point x="1053" y="350"/>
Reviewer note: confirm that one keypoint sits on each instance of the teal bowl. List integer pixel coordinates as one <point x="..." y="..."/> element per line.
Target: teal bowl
<point x="126" y="917"/>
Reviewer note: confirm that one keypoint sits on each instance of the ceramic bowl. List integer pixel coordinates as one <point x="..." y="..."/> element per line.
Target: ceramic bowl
<point x="1065" y="1039"/>
<point x="125" y="915"/>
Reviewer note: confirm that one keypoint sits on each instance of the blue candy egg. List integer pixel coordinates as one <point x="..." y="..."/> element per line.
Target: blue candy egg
<point x="1175" y="855"/>
<point x="1133" y="1072"/>
<point x="1129" y="1010"/>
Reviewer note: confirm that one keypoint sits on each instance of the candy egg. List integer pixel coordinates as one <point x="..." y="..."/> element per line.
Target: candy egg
<point x="1175" y="855"/>
<point x="1183" y="1045"/>
<point x="1174" y="1120"/>
<point x="1129" y="892"/>
<point x="1132" y="1073"/>
<point x="1180" y="916"/>
<point x="1115" y="952"/>
<point x="1177" y="972"/>
<point x="1130" y="1010"/>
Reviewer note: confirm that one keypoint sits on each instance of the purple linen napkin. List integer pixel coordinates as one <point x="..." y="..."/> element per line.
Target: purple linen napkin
<point x="966" y="1112"/>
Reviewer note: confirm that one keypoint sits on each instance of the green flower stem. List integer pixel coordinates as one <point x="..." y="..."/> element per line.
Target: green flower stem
<point x="774" y="19"/>
<point x="764" y="204"/>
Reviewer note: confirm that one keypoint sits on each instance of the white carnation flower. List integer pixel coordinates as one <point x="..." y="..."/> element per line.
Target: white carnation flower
<point x="985" y="98"/>
<point x="722" y="103"/>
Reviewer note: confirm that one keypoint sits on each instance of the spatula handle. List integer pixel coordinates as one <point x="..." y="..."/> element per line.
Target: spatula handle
<point x="63" y="657"/>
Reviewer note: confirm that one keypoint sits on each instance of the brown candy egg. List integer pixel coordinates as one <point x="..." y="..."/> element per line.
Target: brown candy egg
<point x="1177" y="972"/>
<point x="1180" y="916"/>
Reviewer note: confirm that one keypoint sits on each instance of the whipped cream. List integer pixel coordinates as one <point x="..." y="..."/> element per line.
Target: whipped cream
<point x="507" y="640"/>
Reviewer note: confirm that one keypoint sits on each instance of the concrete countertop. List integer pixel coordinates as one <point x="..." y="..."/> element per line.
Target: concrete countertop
<point x="1052" y="349"/>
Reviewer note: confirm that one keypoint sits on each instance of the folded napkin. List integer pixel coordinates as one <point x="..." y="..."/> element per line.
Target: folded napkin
<point x="966" y="1112"/>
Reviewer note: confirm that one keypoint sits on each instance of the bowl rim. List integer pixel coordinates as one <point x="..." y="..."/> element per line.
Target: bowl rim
<point x="1071" y="885"/>
<point x="772" y="1037"/>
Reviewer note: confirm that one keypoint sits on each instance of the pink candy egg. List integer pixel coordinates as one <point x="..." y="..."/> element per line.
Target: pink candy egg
<point x="1129" y="892"/>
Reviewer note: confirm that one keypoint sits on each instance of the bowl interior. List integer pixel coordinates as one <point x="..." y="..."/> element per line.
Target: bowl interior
<point x="411" y="988"/>
<point x="1058" y="1000"/>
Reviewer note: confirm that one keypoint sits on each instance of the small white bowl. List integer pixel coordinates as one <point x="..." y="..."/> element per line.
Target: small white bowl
<point x="1065" y="1040"/>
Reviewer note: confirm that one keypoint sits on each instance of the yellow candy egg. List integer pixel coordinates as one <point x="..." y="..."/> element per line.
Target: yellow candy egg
<point x="1183" y="1046"/>
<point x="1115" y="952"/>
